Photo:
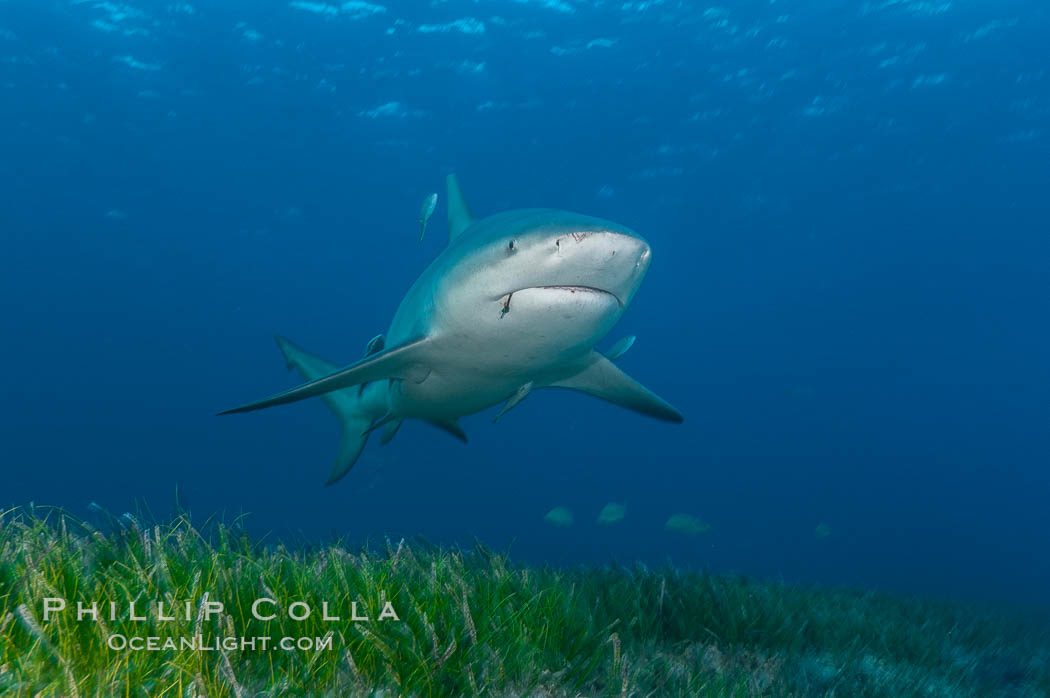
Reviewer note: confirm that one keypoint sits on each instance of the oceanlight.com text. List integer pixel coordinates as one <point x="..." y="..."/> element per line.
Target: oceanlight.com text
<point x="264" y="643"/>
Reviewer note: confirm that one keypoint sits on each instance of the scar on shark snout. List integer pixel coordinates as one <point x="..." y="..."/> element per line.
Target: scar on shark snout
<point x="506" y="306"/>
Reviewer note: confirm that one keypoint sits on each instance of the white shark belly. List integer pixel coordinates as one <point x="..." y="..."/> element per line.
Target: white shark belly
<point x="459" y="389"/>
<point x="448" y="395"/>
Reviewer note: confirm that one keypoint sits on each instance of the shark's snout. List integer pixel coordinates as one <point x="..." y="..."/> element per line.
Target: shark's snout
<point x="645" y="256"/>
<point x="629" y="265"/>
<point x="628" y="246"/>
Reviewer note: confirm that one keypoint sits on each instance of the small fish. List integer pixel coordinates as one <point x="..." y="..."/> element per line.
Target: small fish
<point x="620" y="348"/>
<point x="612" y="513"/>
<point x="425" y="212"/>
<point x="521" y="394"/>
<point x="822" y="531"/>
<point x="559" y="516"/>
<point x="687" y="524"/>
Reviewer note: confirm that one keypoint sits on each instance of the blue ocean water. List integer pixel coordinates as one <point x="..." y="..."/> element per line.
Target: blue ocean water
<point x="848" y="209"/>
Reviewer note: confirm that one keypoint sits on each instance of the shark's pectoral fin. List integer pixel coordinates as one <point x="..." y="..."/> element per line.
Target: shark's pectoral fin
<point x="449" y="426"/>
<point x="518" y="396"/>
<point x="405" y="362"/>
<point x="601" y="378"/>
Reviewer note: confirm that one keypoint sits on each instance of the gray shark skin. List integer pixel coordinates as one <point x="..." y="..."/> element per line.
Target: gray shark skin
<point x="516" y="302"/>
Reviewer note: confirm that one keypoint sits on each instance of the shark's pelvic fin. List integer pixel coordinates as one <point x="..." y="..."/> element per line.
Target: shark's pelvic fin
<point x="459" y="216"/>
<point x="450" y="426"/>
<point x="601" y="378"/>
<point x="375" y="345"/>
<point x="382" y="421"/>
<point x="353" y="414"/>
<point x="518" y="396"/>
<point x="389" y="431"/>
<point x="405" y="362"/>
<point x="620" y="348"/>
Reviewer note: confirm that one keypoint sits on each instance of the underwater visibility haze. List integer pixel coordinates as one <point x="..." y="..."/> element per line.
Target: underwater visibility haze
<point x="847" y="210"/>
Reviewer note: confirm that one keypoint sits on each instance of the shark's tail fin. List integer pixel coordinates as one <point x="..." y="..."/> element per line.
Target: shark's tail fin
<point x="348" y="404"/>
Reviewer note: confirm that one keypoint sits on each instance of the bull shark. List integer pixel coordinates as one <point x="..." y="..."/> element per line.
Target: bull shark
<point x="516" y="302"/>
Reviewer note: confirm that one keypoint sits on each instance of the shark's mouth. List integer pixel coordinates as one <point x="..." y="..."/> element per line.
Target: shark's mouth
<point x="576" y="289"/>
<point x="505" y="300"/>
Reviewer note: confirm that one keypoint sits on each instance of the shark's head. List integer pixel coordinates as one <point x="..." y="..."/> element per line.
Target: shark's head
<point x="556" y="279"/>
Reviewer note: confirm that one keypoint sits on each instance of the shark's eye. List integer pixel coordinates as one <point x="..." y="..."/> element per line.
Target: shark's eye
<point x="510" y="246"/>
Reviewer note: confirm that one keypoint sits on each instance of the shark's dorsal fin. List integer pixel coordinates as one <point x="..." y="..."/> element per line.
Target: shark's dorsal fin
<point x="459" y="215"/>
<point x="406" y="361"/>
<point x="601" y="378"/>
